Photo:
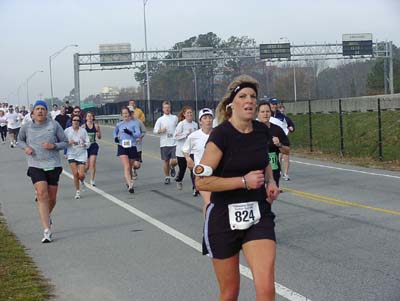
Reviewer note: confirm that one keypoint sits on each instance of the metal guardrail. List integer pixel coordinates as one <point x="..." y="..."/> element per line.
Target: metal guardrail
<point x="108" y="119"/>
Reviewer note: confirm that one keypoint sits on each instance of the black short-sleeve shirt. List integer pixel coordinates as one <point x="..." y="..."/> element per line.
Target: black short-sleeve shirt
<point x="242" y="153"/>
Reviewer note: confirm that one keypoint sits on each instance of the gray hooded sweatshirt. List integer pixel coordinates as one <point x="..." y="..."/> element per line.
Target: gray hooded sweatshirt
<point x="33" y="135"/>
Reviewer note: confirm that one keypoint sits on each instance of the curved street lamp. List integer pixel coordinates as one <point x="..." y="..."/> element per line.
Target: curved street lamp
<point x="53" y="56"/>
<point x="27" y="85"/>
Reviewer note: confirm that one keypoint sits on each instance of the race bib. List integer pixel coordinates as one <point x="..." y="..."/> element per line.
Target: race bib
<point x="126" y="143"/>
<point x="92" y="137"/>
<point x="48" y="169"/>
<point x="243" y="215"/>
<point x="274" y="160"/>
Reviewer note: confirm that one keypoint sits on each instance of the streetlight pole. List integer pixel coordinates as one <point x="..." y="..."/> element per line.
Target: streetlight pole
<point x="147" y="58"/>
<point x="195" y="85"/>
<point x="27" y="85"/>
<point x="53" y="56"/>
<point x="294" y="83"/>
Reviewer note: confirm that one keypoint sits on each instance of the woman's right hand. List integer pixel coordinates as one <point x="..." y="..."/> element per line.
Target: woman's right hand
<point x="255" y="179"/>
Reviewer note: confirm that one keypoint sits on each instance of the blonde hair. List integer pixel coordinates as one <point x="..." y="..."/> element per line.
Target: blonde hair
<point x="222" y="111"/>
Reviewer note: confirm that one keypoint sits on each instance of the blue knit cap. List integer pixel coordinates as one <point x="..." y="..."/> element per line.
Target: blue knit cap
<point x="40" y="103"/>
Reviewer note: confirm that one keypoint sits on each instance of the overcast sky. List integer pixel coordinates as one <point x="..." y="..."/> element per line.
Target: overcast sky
<point x="32" y="30"/>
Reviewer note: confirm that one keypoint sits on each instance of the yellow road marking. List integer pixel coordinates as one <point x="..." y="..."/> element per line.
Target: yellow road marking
<point x="337" y="202"/>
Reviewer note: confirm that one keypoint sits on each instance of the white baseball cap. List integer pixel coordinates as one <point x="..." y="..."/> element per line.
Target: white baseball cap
<point x="205" y="111"/>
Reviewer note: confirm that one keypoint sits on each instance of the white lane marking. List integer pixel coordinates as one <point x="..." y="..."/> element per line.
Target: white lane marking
<point x="346" y="169"/>
<point x="245" y="271"/>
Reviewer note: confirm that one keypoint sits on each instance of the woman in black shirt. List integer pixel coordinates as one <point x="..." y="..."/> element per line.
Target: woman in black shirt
<point x="278" y="143"/>
<point x="235" y="165"/>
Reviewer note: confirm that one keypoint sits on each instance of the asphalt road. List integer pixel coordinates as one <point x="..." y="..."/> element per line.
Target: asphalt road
<point x="337" y="226"/>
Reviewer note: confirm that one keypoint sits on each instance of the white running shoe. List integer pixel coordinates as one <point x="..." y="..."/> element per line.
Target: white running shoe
<point x="167" y="180"/>
<point x="46" y="236"/>
<point x="285" y="177"/>
<point x="77" y="194"/>
<point x="92" y="182"/>
<point x="179" y="185"/>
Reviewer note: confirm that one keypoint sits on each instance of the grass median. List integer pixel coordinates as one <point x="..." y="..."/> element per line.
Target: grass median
<point x="360" y="136"/>
<point x="20" y="279"/>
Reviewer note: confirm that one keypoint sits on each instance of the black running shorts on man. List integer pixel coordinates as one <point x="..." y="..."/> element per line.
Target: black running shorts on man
<point x="49" y="175"/>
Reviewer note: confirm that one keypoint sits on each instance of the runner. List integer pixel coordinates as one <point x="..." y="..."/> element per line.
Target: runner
<point x="137" y="112"/>
<point x="279" y="142"/>
<point x="139" y="141"/>
<point x="234" y="167"/>
<point x="24" y="111"/>
<point x="93" y="130"/>
<point x="165" y="127"/>
<point x="3" y="127"/>
<point x="125" y="134"/>
<point x="193" y="148"/>
<point x="27" y="118"/>
<point x="55" y="111"/>
<point x="78" y="143"/>
<point x="185" y="127"/>
<point x="76" y="112"/>
<point x="62" y="118"/>
<point x="288" y="127"/>
<point x="41" y="140"/>
<point x="13" y="125"/>
<point x="68" y="109"/>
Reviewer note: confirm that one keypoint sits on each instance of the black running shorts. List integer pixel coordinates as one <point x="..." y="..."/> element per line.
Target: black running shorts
<point x="220" y="242"/>
<point x="51" y="176"/>
<point x="76" y="162"/>
<point x="131" y="152"/>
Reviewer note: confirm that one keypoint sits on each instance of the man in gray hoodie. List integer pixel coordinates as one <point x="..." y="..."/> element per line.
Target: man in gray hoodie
<point x="42" y="139"/>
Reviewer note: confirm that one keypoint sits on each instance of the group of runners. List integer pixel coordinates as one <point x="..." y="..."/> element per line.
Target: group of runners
<point x="11" y="120"/>
<point x="234" y="167"/>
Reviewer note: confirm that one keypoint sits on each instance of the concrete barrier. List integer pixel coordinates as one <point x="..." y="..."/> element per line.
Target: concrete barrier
<point x="351" y="104"/>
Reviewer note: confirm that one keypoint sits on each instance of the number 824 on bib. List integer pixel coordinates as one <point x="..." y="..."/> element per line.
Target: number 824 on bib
<point x="243" y="215"/>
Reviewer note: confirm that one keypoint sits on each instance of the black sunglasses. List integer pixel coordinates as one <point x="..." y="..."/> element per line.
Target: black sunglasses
<point x="75" y="120"/>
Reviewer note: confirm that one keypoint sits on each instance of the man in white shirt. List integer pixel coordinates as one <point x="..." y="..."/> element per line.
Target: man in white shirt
<point x="13" y="125"/>
<point x="165" y="127"/>
<point x="55" y="112"/>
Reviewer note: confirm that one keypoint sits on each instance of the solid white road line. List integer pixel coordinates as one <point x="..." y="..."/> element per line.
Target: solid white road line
<point x="346" y="169"/>
<point x="245" y="271"/>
